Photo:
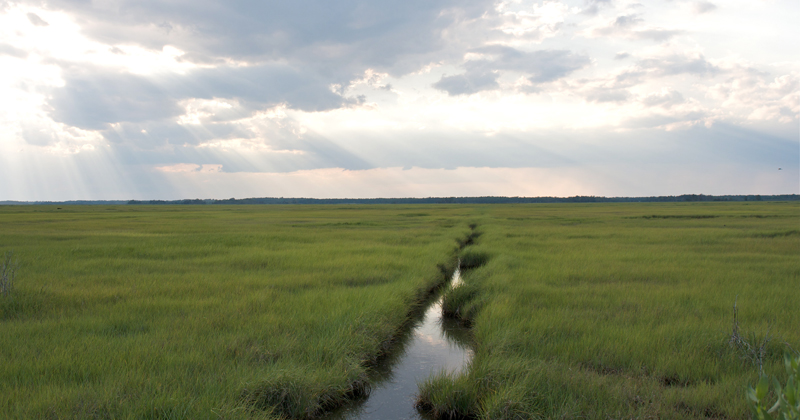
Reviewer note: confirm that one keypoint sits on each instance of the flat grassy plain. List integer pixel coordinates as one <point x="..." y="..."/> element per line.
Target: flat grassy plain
<point x="624" y="311"/>
<point x="578" y="310"/>
<point x="182" y="312"/>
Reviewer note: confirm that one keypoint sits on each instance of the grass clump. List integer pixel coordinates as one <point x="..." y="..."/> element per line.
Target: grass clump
<point x="471" y="259"/>
<point x="8" y="272"/>
<point x="460" y="303"/>
<point x="303" y="395"/>
<point x="447" y="395"/>
<point x="753" y="348"/>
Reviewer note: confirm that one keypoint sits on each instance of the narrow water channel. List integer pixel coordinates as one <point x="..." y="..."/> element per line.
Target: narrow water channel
<point x="432" y="344"/>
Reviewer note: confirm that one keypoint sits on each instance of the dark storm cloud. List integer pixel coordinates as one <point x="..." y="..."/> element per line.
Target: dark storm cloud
<point x="539" y="66"/>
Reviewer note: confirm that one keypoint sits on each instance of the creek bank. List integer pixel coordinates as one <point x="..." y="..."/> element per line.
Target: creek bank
<point x="428" y="343"/>
<point x="431" y="344"/>
<point x="447" y="394"/>
<point x="423" y="326"/>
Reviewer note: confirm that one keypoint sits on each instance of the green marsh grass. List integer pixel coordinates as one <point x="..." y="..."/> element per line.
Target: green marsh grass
<point x="208" y="312"/>
<point x="625" y="310"/>
<point x="588" y="311"/>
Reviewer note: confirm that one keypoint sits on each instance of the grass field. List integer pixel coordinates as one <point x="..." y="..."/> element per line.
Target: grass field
<point x="625" y="311"/>
<point x="207" y="312"/>
<point x="579" y="311"/>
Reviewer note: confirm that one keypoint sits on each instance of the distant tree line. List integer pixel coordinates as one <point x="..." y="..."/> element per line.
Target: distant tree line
<point x="433" y="200"/>
<point x="482" y="200"/>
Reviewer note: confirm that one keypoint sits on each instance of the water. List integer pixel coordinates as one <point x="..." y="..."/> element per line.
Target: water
<point x="431" y="344"/>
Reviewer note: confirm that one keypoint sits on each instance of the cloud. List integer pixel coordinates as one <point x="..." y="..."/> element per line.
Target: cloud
<point x="615" y="87"/>
<point x="35" y="20"/>
<point x="387" y="35"/>
<point x="520" y="23"/>
<point x="540" y="66"/>
<point x="10" y="50"/>
<point x="57" y="139"/>
<point x="304" y="55"/>
<point x="630" y="26"/>
<point x="666" y="98"/>
<point x="97" y="97"/>
<point x="756" y="97"/>
<point x="656" y="120"/>
<point x="607" y="94"/>
<point x="675" y="64"/>
<point x="701" y="7"/>
<point x="190" y="167"/>
<point x="656" y="34"/>
<point x="224" y="90"/>
<point x="592" y="7"/>
<point x="664" y="64"/>
<point x="718" y="160"/>
<point x="468" y="83"/>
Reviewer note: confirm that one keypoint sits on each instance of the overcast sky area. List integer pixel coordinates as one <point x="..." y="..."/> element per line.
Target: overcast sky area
<point x="171" y="99"/>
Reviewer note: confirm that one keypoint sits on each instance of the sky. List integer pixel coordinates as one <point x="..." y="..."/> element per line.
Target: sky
<point x="174" y="99"/>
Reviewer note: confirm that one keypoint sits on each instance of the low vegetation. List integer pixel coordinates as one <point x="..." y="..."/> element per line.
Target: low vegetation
<point x="132" y="312"/>
<point x="588" y="311"/>
<point x="624" y="311"/>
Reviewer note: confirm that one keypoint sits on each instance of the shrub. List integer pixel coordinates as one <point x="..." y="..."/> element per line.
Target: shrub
<point x="787" y="407"/>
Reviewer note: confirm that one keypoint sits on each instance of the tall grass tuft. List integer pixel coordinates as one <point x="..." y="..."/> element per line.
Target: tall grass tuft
<point x="447" y="395"/>
<point x="753" y="349"/>
<point x="471" y="259"/>
<point x="7" y="274"/>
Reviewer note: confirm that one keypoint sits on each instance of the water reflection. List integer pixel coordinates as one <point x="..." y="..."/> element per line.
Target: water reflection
<point x="430" y="345"/>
